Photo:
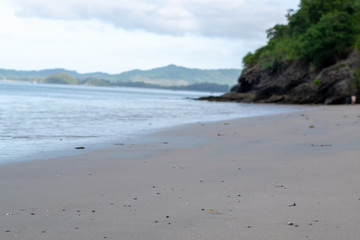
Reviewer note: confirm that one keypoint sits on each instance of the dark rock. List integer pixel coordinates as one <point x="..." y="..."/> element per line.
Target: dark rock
<point x="294" y="82"/>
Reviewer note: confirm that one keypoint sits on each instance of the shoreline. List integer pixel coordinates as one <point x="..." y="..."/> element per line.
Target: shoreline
<point x="99" y="142"/>
<point x="242" y="178"/>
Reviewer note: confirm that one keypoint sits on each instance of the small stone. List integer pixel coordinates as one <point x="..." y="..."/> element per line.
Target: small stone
<point x="248" y="226"/>
<point x="79" y="147"/>
<point x="32" y="213"/>
<point x="93" y="211"/>
<point x="292" y="205"/>
<point x="311" y="126"/>
<point x="7" y="231"/>
<point x="290" y="224"/>
<point x="167" y="216"/>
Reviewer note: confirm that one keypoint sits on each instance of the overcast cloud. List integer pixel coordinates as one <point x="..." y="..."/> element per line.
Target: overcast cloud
<point x="225" y="18"/>
<point x="152" y="29"/>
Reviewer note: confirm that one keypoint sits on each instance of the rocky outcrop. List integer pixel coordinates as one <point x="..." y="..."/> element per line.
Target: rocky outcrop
<point x="296" y="82"/>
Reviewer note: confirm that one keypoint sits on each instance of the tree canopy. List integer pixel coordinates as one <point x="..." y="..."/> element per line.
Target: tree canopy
<point x="320" y="32"/>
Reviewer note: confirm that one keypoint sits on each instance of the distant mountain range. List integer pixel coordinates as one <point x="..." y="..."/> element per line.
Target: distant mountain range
<point x="171" y="76"/>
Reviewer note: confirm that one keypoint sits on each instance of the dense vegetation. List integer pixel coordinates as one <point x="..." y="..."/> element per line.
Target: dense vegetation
<point x="321" y="32"/>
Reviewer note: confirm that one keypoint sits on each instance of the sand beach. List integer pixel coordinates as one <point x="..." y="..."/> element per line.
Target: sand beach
<point x="286" y="176"/>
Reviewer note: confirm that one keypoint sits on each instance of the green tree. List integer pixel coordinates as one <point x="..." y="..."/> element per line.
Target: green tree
<point x="321" y="32"/>
<point x="328" y="40"/>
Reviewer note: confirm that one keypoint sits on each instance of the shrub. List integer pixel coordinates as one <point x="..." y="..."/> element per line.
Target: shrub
<point x="317" y="81"/>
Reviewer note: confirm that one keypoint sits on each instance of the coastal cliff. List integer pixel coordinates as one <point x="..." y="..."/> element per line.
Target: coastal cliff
<point x="296" y="82"/>
<point x="314" y="59"/>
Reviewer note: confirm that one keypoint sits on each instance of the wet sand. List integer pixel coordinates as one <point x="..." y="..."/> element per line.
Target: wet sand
<point x="289" y="176"/>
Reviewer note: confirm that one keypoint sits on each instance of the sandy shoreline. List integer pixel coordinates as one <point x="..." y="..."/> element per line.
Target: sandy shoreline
<point x="235" y="179"/>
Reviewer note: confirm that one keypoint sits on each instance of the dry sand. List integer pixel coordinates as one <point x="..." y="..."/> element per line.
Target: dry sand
<point x="289" y="176"/>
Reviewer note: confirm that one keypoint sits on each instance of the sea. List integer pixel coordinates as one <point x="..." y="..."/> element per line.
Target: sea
<point x="42" y="121"/>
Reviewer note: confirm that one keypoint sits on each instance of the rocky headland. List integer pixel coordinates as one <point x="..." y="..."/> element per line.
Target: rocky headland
<point x="296" y="82"/>
<point x="314" y="59"/>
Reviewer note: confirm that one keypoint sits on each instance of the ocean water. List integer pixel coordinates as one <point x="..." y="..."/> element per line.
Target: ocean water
<point x="40" y="121"/>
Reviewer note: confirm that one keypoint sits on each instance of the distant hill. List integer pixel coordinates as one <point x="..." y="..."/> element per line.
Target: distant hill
<point x="171" y="76"/>
<point x="42" y="74"/>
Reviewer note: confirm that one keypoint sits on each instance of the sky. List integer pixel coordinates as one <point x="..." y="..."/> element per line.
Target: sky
<point x="114" y="36"/>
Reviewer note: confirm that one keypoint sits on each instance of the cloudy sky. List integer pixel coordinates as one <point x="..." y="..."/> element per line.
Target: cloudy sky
<point x="119" y="35"/>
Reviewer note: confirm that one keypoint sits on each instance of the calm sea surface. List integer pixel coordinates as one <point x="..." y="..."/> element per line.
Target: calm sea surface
<point x="40" y="121"/>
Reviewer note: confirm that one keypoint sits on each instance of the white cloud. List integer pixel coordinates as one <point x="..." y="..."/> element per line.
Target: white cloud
<point x="114" y="36"/>
<point x="226" y="18"/>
